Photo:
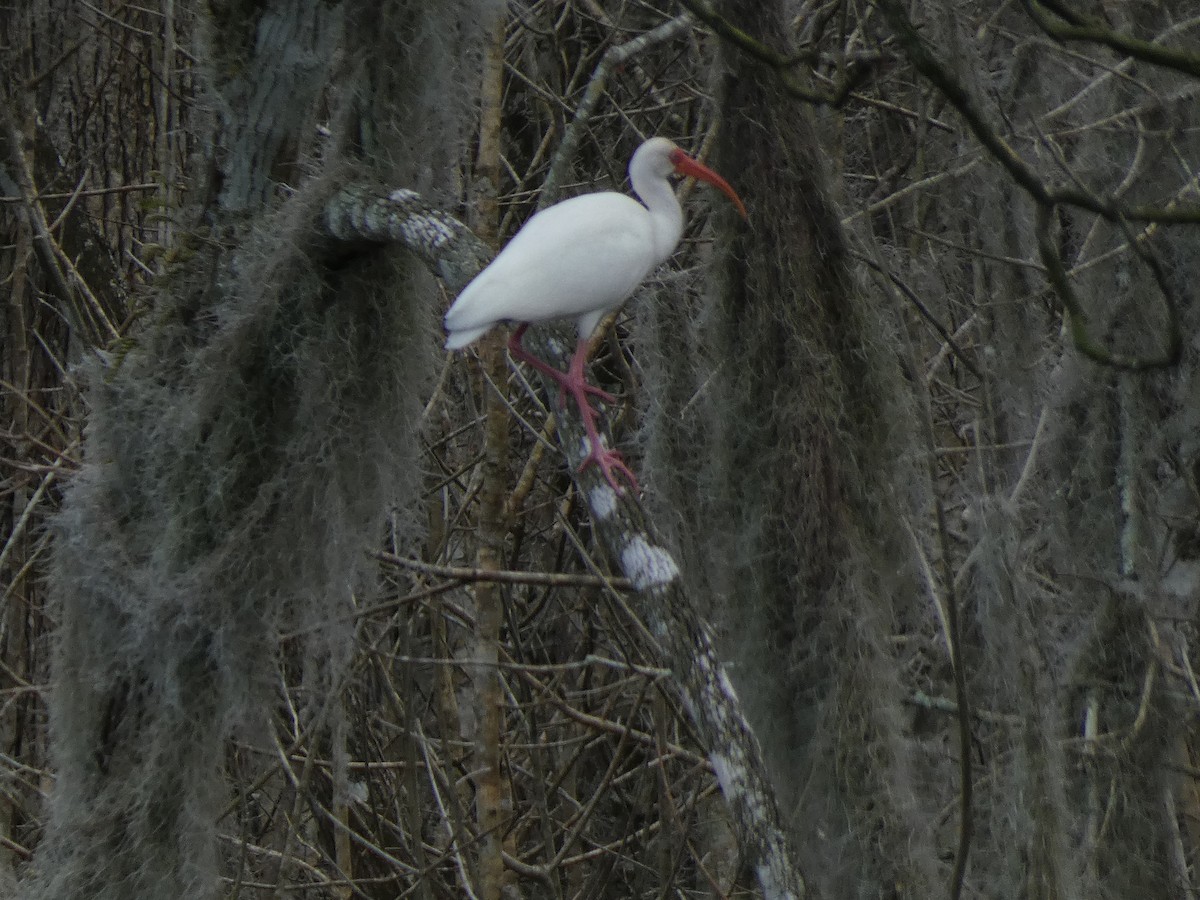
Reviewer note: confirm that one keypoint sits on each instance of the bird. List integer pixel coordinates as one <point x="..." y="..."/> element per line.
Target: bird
<point x="582" y="258"/>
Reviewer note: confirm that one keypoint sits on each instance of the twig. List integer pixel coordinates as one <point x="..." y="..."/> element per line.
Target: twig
<point x="931" y="65"/>
<point x="948" y="609"/>
<point x="1074" y="26"/>
<point x="502" y="576"/>
<point x="614" y="57"/>
<point x="781" y="64"/>
<point x="23" y="521"/>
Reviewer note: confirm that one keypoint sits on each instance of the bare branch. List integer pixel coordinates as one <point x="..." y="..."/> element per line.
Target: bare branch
<point x="1074" y="26"/>
<point x="1076" y="317"/>
<point x="929" y="64"/>
<point x="614" y="57"/>
<point x="1047" y="199"/>
<point x="853" y="74"/>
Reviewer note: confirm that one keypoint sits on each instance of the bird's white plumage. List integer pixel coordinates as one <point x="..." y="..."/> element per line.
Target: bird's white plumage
<point x="582" y="256"/>
<point x="579" y="258"/>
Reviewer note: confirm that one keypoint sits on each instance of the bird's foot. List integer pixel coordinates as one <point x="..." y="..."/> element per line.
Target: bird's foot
<point x="611" y="464"/>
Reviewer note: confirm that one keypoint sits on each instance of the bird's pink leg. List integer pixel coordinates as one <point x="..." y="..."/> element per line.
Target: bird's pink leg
<point x="574" y="382"/>
<point x="564" y="379"/>
<point x="610" y="462"/>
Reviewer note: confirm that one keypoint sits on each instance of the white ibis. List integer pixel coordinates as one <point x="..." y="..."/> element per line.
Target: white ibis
<point x="580" y="259"/>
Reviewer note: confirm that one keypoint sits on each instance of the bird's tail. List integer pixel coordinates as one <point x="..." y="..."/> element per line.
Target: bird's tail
<point x="460" y="339"/>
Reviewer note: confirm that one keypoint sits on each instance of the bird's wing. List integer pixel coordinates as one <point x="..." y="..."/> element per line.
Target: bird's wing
<point x="584" y="254"/>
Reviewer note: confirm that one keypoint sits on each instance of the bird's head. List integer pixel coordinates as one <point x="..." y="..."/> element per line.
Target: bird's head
<point x="661" y="158"/>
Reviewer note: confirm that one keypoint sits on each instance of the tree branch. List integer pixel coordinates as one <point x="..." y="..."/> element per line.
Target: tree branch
<point x="681" y="638"/>
<point x="852" y="75"/>
<point x="361" y="216"/>
<point x="928" y="63"/>
<point x="81" y="307"/>
<point x="1065" y="24"/>
<point x="1047" y="199"/>
<point x="613" y="58"/>
<point x="1076" y="317"/>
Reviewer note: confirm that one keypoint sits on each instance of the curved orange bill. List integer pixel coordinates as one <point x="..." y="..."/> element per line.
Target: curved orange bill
<point x="685" y="165"/>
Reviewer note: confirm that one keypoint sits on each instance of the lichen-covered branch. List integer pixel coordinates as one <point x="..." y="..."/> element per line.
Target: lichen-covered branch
<point x="363" y="215"/>
<point x="683" y="640"/>
<point x="686" y="644"/>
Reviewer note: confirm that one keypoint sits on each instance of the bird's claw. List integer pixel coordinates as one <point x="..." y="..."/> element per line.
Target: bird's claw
<point x="611" y="464"/>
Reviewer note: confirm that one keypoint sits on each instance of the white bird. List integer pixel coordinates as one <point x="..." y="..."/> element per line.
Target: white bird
<point x="580" y="259"/>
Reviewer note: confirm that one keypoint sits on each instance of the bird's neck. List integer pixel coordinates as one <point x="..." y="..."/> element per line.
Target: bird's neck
<point x="666" y="215"/>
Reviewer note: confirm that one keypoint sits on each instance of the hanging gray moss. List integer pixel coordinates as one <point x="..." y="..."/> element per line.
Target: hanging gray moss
<point x="776" y="436"/>
<point x="240" y="455"/>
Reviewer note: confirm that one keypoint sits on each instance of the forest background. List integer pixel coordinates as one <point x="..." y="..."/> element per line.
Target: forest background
<point x="296" y="604"/>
